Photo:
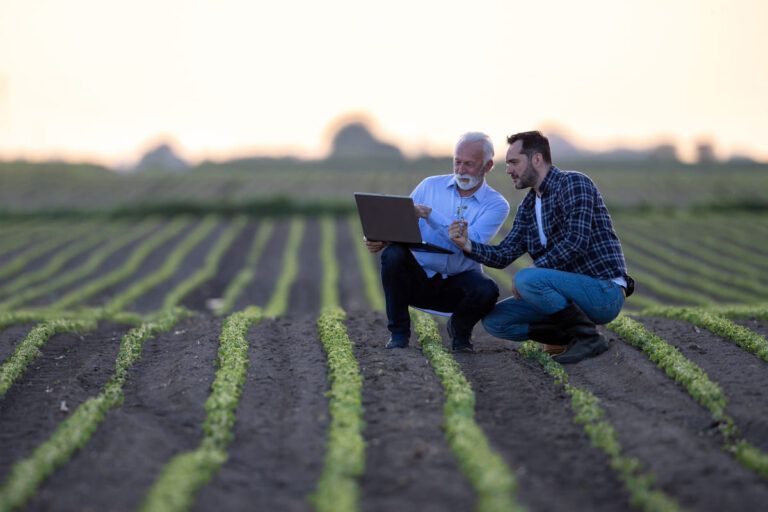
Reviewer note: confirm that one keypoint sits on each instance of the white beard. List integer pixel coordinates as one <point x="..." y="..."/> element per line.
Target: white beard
<point x="472" y="181"/>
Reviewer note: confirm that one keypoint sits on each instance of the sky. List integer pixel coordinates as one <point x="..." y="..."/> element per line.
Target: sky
<point x="104" y="81"/>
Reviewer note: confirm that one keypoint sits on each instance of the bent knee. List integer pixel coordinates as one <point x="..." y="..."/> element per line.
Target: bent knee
<point x="500" y="327"/>
<point x="394" y="254"/>
<point x="486" y="292"/>
<point x="524" y="278"/>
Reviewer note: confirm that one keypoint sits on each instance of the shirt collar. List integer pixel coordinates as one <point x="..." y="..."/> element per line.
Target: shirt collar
<point x="547" y="183"/>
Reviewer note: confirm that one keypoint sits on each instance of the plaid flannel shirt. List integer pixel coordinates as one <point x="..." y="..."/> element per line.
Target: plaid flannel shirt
<point x="578" y="227"/>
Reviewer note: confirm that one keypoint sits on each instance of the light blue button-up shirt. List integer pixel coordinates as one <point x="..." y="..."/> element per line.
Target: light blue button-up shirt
<point x="484" y="211"/>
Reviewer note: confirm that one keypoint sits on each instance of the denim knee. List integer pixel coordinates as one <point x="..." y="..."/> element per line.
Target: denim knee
<point x="500" y="326"/>
<point x="493" y="325"/>
<point x="524" y="279"/>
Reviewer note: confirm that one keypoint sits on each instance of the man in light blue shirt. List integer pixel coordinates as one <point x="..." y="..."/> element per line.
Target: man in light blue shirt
<point x="451" y="283"/>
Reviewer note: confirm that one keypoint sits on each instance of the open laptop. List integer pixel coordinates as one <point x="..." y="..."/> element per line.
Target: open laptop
<point x="387" y="218"/>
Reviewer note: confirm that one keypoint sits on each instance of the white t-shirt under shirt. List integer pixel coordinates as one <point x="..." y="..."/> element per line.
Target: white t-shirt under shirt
<point x="543" y="238"/>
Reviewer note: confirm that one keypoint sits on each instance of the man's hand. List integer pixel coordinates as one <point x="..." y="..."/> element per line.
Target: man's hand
<point x="422" y="210"/>
<point x="374" y="246"/>
<point x="457" y="232"/>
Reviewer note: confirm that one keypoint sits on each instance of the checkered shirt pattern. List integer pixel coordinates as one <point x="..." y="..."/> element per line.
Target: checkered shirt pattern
<point x="578" y="227"/>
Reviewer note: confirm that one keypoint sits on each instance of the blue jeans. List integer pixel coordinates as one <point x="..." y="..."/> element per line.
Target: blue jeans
<point x="543" y="292"/>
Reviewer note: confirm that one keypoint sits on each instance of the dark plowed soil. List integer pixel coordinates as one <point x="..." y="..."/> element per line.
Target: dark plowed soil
<point x="268" y="268"/>
<point x="161" y="417"/>
<point x="114" y="261"/>
<point x="230" y="265"/>
<point x="758" y="326"/>
<point x="194" y="261"/>
<point x="70" y="369"/>
<point x="738" y="372"/>
<point x="305" y="292"/>
<point x="151" y="263"/>
<point x="34" y="264"/>
<point x="10" y="337"/>
<point x="661" y="425"/>
<point x="408" y="459"/>
<point x="282" y="421"/>
<point x="351" y="286"/>
<point x="70" y="264"/>
<point x="529" y="421"/>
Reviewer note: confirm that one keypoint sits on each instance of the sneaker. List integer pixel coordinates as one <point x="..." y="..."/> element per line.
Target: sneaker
<point x="397" y="343"/>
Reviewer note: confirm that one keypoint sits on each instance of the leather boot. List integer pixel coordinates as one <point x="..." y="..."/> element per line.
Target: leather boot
<point x="547" y="333"/>
<point x="552" y="339"/>
<point x="585" y="341"/>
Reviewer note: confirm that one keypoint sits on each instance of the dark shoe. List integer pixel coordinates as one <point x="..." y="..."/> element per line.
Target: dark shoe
<point x="582" y="350"/>
<point x="459" y="345"/>
<point x="397" y="343"/>
<point x="585" y="342"/>
<point x="466" y="348"/>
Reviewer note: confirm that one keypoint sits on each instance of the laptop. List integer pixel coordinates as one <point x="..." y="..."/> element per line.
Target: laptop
<point x="387" y="218"/>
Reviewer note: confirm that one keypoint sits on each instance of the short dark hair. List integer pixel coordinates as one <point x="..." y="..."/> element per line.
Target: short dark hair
<point x="533" y="142"/>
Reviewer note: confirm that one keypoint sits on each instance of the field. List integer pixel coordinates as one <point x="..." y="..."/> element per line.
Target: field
<point x="214" y="362"/>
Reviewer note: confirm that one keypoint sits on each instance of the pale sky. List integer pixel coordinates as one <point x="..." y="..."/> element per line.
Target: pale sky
<point x="102" y="80"/>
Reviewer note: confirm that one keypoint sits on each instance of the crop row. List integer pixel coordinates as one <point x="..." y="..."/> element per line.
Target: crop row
<point x="698" y="385"/>
<point x="591" y="416"/>
<point x="179" y="480"/>
<point x="127" y="269"/>
<point x="671" y="266"/>
<point x="39" y="249"/>
<point x="82" y="271"/>
<point x="27" y="474"/>
<point x="170" y="266"/>
<point x="741" y="336"/>
<point x="175" y="487"/>
<point x="241" y="280"/>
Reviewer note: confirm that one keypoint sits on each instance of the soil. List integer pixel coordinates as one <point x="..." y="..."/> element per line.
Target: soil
<point x="282" y="419"/>
<point x="162" y="415"/>
<point x="151" y="263"/>
<point x="277" y="455"/>
<point x="152" y="300"/>
<point x="114" y="261"/>
<point x="10" y="337"/>
<point x="71" y="368"/>
<point x="408" y="460"/>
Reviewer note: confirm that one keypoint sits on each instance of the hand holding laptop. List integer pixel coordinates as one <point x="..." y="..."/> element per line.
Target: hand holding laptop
<point x="374" y="246"/>
<point x="422" y="210"/>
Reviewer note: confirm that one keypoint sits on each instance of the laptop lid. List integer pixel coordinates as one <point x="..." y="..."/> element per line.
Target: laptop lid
<point x="392" y="218"/>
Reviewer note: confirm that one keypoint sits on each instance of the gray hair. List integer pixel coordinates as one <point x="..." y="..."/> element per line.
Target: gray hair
<point x="478" y="137"/>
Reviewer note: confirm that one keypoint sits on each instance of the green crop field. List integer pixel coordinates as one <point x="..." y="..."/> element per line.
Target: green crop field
<point x="222" y="356"/>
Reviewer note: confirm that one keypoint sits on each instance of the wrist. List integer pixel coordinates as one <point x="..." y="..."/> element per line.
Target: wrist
<point x="467" y="246"/>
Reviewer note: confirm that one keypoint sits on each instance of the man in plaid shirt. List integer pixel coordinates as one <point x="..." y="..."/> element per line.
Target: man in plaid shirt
<point x="579" y="277"/>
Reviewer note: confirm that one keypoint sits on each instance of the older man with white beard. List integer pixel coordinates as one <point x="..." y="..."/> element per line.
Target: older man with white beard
<point x="451" y="283"/>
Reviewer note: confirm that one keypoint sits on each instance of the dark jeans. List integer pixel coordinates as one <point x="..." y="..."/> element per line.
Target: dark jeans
<point x="469" y="295"/>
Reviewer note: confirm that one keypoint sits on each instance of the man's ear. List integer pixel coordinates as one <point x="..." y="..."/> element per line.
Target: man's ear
<point x="488" y="167"/>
